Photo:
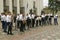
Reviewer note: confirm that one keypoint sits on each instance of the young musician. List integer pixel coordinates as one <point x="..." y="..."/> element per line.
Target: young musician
<point x="9" y="23"/>
<point x="3" y="20"/>
<point x="33" y="20"/>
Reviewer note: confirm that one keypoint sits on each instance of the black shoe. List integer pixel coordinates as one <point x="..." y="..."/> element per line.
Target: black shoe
<point x="21" y="31"/>
<point x="8" y="34"/>
<point x="11" y="33"/>
<point x="5" y="31"/>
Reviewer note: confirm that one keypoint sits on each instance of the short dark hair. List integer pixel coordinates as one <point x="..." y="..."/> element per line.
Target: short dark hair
<point x="9" y="12"/>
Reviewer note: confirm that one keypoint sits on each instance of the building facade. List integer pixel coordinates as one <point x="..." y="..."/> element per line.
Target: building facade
<point x="21" y="6"/>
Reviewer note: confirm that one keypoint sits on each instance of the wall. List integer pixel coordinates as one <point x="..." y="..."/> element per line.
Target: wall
<point x="1" y="6"/>
<point x="28" y="4"/>
<point x="39" y="5"/>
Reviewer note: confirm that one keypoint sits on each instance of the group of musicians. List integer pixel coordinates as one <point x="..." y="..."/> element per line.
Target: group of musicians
<point x="6" y="20"/>
<point x="22" y="21"/>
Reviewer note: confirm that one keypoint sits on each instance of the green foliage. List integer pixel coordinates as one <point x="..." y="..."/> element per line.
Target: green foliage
<point x="54" y="5"/>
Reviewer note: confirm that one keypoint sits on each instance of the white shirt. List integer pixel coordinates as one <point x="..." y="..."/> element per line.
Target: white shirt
<point x="17" y="17"/>
<point x="8" y="18"/>
<point x="28" y="16"/>
<point x="50" y="14"/>
<point x="24" y="18"/>
<point x="33" y="16"/>
<point x="39" y="18"/>
<point x="20" y="17"/>
<point x="56" y="16"/>
<point x="43" y="16"/>
<point x="3" y="17"/>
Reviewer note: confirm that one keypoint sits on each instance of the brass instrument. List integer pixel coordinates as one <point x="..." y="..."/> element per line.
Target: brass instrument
<point x="24" y="21"/>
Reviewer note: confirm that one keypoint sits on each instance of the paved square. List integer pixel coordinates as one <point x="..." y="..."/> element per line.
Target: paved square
<point x="50" y="32"/>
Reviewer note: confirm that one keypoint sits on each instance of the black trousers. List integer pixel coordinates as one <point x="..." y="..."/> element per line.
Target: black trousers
<point x="33" y="22"/>
<point x="36" y="22"/>
<point x="22" y="28"/>
<point x="40" y="22"/>
<point x="3" y="24"/>
<point x="9" y="24"/>
<point x="18" y="23"/>
<point x="28" y="23"/>
<point x="50" y="21"/>
<point x="5" y="27"/>
<point x="55" y="21"/>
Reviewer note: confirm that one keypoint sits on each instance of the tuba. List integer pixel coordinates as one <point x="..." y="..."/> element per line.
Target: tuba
<point x="24" y="21"/>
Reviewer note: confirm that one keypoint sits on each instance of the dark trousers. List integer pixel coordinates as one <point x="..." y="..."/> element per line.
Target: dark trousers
<point x="9" y="24"/>
<point x="36" y="22"/>
<point x="42" y="21"/>
<point x="50" y="21"/>
<point x="28" y="23"/>
<point x="55" y="22"/>
<point x="33" y="22"/>
<point x="3" y="24"/>
<point x="5" y="27"/>
<point x="18" y="23"/>
<point x="22" y="27"/>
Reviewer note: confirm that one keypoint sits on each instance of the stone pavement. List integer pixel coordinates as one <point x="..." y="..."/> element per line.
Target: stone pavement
<point x="53" y="34"/>
<point x="49" y="32"/>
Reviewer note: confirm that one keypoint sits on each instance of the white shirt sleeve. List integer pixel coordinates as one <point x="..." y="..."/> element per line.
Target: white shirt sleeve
<point x="17" y="18"/>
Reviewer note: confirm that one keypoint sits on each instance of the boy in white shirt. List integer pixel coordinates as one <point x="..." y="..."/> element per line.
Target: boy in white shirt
<point x="9" y="23"/>
<point x="50" y="18"/>
<point x="3" y="20"/>
<point x="23" y="22"/>
<point x="56" y="19"/>
<point x="33" y="19"/>
<point x="17" y="19"/>
<point x="20" y="21"/>
<point x="43" y="19"/>
<point x="28" y="17"/>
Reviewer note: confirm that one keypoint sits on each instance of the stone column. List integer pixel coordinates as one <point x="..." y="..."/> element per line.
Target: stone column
<point x="39" y="5"/>
<point x="1" y="6"/>
<point x="18" y="7"/>
<point x="10" y="6"/>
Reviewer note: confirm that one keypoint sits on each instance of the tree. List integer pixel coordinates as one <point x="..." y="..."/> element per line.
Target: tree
<point x="58" y="4"/>
<point x="54" y="5"/>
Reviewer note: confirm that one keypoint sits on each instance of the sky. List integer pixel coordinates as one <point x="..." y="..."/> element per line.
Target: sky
<point x="45" y="3"/>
